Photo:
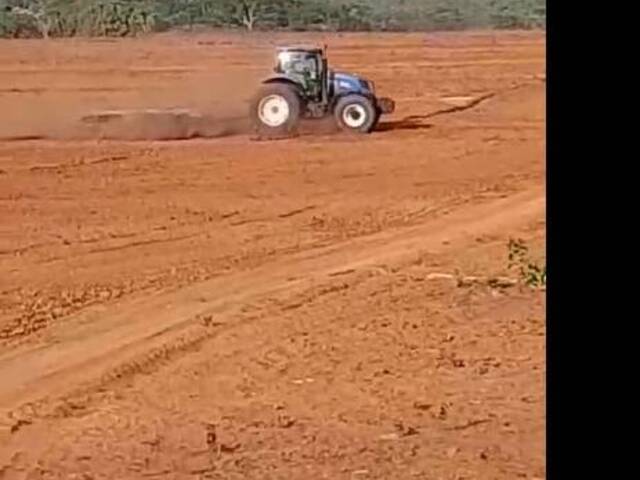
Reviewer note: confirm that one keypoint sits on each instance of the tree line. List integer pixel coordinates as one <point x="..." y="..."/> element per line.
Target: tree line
<point x="67" y="18"/>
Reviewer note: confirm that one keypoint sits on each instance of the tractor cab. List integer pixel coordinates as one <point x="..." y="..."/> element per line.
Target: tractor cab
<point x="306" y="66"/>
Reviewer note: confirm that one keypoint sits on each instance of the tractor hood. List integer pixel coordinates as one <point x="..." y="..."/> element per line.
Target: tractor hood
<point x="348" y="82"/>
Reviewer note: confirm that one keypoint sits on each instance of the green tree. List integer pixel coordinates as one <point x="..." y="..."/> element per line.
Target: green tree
<point x="37" y="12"/>
<point x="518" y="13"/>
<point x="46" y="18"/>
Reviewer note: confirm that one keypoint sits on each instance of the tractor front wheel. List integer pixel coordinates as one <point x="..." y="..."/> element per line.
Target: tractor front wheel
<point x="356" y="114"/>
<point x="275" y="110"/>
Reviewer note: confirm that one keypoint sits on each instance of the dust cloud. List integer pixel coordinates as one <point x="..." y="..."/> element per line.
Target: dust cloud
<point x="190" y="107"/>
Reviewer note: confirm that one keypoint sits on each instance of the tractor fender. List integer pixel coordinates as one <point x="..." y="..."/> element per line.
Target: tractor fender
<point x="283" y="79"/>
<point x="334" y="100"/>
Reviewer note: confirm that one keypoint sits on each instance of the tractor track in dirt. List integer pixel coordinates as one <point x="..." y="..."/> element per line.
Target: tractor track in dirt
<point x="92" y="346"/>
<point x="410" y="218"/>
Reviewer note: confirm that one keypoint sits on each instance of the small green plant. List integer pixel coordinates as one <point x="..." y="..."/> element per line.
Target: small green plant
<point x="531" y="273"/>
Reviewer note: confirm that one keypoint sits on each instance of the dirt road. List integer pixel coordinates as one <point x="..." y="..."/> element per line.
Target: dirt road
<point x="319" y="307"/>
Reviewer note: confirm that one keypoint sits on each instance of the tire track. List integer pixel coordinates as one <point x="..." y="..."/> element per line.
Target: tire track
<point x="96" y="346"/>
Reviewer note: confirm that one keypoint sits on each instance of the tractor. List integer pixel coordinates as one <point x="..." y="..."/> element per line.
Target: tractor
<point x="303" y="86"/>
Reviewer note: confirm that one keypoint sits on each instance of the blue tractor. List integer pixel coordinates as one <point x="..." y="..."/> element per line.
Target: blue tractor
<point x="303" y="86"/>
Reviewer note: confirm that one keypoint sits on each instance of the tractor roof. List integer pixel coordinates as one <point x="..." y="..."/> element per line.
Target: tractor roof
<point x="301" y="48"/>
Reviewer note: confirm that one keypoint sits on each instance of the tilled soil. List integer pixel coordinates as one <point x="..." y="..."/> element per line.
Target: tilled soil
<point x="324" y="306"/>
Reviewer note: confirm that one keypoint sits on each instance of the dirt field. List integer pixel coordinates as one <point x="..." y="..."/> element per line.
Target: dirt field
<point x="179" y="301"/>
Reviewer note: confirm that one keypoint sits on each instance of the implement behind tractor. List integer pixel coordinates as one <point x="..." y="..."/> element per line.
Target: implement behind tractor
<point x="303" y="86"/>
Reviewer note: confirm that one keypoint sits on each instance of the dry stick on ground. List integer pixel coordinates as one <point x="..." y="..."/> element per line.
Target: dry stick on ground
<point x="497" y="282"/>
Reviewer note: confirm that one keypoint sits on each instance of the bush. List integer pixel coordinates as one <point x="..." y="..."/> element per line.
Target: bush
<point x="523" y="14"/>
<point x="7" y="22"/>
<point x="531" y="273"/>
<point x="130" y="17"/>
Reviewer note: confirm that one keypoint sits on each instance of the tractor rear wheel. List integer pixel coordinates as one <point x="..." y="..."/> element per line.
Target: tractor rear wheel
<point x="275" y="110"/>
<point x="356" y="114"/>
